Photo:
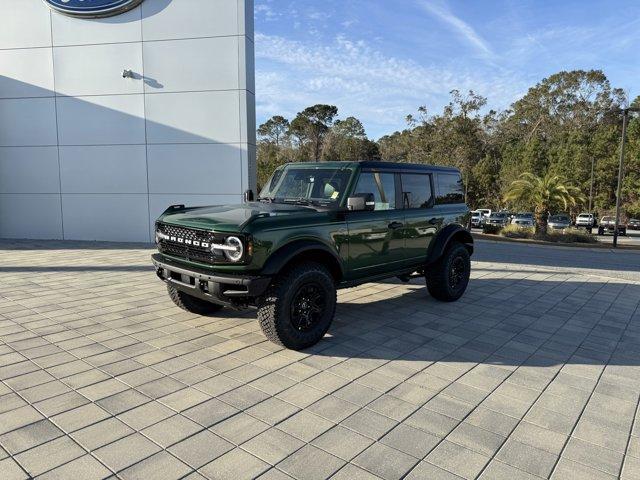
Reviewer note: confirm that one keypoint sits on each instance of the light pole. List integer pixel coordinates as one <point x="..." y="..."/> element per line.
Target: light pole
<point x="625" y="119"/>
<point x="593" y="161"/>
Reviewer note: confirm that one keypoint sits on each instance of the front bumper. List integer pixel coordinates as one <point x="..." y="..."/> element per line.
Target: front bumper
<point x="233" y="290"/>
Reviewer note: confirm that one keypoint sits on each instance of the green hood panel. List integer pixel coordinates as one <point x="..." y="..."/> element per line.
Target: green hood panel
<point x="228" y="218"/>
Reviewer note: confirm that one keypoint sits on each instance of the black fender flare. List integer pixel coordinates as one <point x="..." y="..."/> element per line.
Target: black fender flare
<point x="449" y="233"/>
<point x="287" y="252"/>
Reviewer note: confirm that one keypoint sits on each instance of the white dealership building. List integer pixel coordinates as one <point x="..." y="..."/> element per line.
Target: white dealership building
<point x="106" y="119"/>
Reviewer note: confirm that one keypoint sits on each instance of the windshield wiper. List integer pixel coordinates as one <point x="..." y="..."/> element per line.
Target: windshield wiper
<point x="297" y="200"/>
<point x="266" y="199"/>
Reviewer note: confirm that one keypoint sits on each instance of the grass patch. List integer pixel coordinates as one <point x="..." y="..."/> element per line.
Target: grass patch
<point x="570" y="235"/>
<point x="514" y="231"/>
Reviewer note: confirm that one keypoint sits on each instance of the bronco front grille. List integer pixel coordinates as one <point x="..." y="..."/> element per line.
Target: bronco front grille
<point x="192" y="249"/>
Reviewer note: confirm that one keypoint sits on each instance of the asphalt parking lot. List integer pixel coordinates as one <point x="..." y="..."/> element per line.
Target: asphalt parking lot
<point x="534" y="373"/>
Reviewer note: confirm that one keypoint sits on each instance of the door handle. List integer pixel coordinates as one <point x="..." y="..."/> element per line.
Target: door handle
<point x="394" y="225"/>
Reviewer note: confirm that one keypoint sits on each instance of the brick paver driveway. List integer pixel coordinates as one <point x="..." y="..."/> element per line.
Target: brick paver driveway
<point x="534" y="373"/>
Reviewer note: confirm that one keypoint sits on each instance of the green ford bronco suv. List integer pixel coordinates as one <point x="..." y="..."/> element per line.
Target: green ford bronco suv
<point x="314" y="228"/>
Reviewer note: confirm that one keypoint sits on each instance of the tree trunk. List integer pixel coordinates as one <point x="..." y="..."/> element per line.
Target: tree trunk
<point x="541" y="222"/>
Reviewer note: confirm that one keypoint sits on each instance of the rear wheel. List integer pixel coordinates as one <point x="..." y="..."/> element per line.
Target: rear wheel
<point x="299" y="306"/>
<point x="190" y="303"/>
<point x="448" y="277"/>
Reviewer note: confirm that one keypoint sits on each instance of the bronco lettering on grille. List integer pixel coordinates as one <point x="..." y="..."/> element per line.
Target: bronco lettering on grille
<point x="186" y="241"/>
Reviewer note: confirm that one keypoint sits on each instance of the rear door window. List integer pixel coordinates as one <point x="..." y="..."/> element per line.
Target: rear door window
<point x="416" y="190"/>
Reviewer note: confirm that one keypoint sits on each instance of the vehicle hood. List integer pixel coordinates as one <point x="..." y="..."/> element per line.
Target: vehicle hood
<point x="228" y="218"/>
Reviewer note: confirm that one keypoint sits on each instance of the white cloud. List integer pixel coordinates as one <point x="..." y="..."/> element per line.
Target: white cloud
<point x="462" y="28"/>
<point x="377" y="88"/>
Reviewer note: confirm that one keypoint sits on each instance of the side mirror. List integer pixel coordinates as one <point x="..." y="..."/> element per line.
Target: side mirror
<point x="361" y="201"/>
<point x="248" y="196"/>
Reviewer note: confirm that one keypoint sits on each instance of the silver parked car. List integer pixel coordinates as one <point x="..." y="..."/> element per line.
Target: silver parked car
<point x="559" y="222"/>
<point x="523" y="222"/>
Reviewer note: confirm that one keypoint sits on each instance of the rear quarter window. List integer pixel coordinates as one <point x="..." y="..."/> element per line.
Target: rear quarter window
<point x="449" y="188"/>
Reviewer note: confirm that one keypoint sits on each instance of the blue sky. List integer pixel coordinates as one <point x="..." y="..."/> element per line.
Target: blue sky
<point x="379" y="60"/>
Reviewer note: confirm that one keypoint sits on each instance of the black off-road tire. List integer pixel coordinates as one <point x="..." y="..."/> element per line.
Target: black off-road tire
<point x="275" y="308"/>
<point x="438" y="274"/>
<point x="192" y="304"/>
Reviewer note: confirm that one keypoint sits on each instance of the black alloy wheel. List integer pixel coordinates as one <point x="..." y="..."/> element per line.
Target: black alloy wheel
<point x="298" y="307"/>
<point x="448" y="277"/>
<point x="307" y="307"/>
<point x="457" y="271"/>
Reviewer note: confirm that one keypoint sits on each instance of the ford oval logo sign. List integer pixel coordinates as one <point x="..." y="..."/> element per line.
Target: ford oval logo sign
<point x="92" y="8"/>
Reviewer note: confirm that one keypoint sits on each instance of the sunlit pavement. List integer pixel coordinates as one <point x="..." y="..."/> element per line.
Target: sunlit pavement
<point x="534" y="373"/>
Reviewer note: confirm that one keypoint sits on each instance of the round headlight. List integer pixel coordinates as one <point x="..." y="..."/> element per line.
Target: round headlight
<point x="236" y="254"/>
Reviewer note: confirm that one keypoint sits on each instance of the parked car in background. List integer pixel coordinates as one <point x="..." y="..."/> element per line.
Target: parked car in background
<point x="486" y="212"/>
<point x="523" y="222"/>
<point x="608" y="225"/>
<point x="586" y="220"/>
<point x="559" y="222"/>
<point x="524" y="216"/>
<point x="477" y="219"/>
<point x="634" y="224"/>
<point x="499" y="219"/>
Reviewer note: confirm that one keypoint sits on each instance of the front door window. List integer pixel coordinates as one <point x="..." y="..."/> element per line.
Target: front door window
<point x="383" y="187"/>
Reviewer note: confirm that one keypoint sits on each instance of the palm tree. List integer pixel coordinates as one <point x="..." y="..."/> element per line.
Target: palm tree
<point x="546" y="194"/>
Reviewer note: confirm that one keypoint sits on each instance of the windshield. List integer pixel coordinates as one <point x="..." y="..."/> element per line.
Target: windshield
<point x="607" y="219"/>
<point x="498" y="215"/>
<point x="584" y="215"/>
<point x="307" y="184"/>
<point x="558" y="218"/>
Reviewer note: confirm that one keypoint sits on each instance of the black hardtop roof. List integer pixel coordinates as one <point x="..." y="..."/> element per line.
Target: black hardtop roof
<point x="405" y="166"/>
<point x="378" y="165"/>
